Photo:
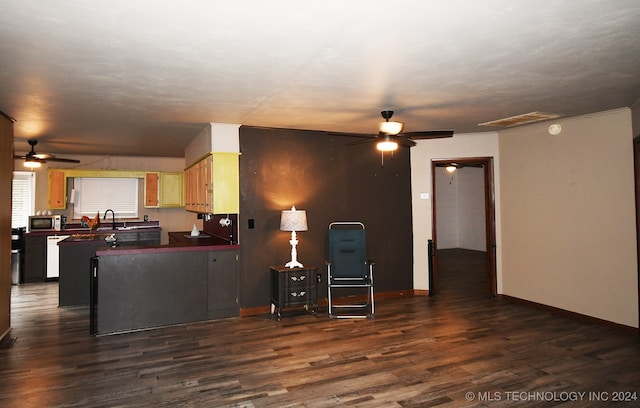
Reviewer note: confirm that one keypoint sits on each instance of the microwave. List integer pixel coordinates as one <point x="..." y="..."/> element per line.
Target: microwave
<point x="45" y="223"/>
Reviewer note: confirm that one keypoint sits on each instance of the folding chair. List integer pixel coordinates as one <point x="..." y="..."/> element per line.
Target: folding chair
<point x="349" y="272"/>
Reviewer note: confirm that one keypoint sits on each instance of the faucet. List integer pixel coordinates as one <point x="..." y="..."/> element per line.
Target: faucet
<point x="113" y="218"/>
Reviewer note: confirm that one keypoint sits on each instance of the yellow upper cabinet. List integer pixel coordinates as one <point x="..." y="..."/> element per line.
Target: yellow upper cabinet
<point x="171" y="189"/>
<point x="163" y="190"/>
<point x="213" y="184"/>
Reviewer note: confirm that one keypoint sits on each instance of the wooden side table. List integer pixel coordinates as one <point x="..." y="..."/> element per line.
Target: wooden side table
<point x="293" y="287"/>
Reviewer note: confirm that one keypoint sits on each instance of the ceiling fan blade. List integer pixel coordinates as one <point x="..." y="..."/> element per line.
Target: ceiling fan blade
<point x="43" y="156"/>
<point x="346" y="134"/>
<point x="59" y="159"/>
<point x="404" y="142"/>
<point x="428" y="134"/>
<point x="16" y="156"/>
<point x="367" y="140"/>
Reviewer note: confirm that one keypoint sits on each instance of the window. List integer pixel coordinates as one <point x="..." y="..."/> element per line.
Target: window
<point x="22" y="198"/>
<point x="94" y="195"/>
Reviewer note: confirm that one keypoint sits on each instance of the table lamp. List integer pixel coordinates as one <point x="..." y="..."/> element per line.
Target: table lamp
<point x="293" y="220"/>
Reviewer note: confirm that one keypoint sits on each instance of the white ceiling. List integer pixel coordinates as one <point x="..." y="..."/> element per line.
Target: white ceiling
<point x="141" y="77"/>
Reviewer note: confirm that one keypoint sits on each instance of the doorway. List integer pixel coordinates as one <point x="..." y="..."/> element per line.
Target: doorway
<point x="488" y="256"/>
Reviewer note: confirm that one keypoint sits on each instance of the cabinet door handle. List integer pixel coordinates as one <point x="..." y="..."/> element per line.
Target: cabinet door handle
<point x="296" y="294"/>
<point x="298" y="278"/>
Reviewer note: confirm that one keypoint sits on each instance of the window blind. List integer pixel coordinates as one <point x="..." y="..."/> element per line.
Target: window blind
<point x="22" y="198"/>
<point x="100" y="194"/>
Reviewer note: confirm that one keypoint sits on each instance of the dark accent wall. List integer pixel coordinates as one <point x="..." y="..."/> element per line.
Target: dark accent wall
<point x="317" y="172"/>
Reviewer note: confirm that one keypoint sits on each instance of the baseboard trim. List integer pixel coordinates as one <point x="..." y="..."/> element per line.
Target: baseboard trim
<point x="254" y="311"/>
<point x="2" y="336"/>
<point x="575" y="315"/>
<point x="6" y="341"/>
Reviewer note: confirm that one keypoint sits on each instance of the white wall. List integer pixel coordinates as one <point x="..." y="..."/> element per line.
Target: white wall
<point x="214" y="137"/>
<point x="568" y="212"/>
<point x="446" y="200"/>
<point x="460" y="212"/>
<point x="459" y="146"/>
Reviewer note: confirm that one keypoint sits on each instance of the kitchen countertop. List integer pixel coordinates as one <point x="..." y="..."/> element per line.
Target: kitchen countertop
<point x="178" y="242"/>
<point x="104" y="229"/>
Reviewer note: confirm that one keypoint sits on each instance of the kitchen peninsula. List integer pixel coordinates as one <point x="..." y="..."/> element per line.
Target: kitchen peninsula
<point x="76" y="251"/>
<point x="191" y="279"/>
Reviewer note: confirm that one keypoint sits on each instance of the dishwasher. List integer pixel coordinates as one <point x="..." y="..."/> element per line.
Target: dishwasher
<point x="53" y="255"/>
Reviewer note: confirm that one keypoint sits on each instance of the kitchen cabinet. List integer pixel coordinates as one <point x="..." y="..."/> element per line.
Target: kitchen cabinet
<point x="164" y="190"/>
<point x="151" y="189"/>
<point x="213" y="185"/>
<point x="35" y="258"/>
<point x="57" y="190"/>
<point x="222" y="284"/>
<point x="146" y="288"/>
<point x="75" y="256"/>
<point x="74" y="280"/>
<point x="171" y="189"/>
<point x="196" y="194"/>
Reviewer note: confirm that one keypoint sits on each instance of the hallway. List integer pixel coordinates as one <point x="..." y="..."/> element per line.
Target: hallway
<point x="462" y="274"/>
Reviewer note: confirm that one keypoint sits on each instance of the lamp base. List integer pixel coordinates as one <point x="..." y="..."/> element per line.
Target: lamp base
<point x="293" y="264"/>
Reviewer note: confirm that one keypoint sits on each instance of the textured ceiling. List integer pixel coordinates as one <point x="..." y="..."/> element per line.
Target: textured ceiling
<point x="141" y="77"/>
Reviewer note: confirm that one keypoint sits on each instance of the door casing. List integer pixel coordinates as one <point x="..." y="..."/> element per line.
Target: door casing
<point x="490" y="218"/>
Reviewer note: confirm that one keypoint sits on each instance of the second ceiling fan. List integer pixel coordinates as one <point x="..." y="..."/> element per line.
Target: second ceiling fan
<point x="390" y="135"/>
<point x="34" y="160"/>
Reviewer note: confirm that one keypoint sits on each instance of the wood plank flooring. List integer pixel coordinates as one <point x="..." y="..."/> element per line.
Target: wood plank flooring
<point x="416" y="352"/>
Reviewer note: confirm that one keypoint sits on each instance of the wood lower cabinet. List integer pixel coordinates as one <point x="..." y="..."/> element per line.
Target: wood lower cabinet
<point x="74" y="280"/>
<point x="148" y="289"/>
<point x="222" y="284"/>
<point x="73" y="283"/>
<point x="35" y="259"/>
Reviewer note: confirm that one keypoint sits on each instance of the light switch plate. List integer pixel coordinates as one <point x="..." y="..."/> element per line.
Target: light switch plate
<point x="424" y="196"/>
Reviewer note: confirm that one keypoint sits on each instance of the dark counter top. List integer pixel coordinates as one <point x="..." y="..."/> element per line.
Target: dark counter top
<point x="178" y="242"/>
<point x="103" y="230"/>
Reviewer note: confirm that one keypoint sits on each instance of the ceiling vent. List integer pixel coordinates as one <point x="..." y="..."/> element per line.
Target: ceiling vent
<point x="530" y="117"/>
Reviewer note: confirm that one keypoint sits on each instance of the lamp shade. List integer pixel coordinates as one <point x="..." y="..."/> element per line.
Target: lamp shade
<point x="293" y="220"/>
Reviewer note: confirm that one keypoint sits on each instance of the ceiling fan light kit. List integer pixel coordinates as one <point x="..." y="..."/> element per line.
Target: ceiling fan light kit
<point x="387" y="144"/>
<point x="389" y="137"/>
<point x="387" y="127"/>
<point x="391" y="128"/>
<point x="34" y="160"/>
<point x="32" y="163"/>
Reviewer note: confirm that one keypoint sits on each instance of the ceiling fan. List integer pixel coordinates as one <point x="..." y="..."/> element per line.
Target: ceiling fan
<point x="390" y="135"/>
<point x="34" y="160"/>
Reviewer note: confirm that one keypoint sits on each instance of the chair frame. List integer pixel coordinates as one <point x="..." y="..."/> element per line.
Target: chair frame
<point x="352" y="281"/>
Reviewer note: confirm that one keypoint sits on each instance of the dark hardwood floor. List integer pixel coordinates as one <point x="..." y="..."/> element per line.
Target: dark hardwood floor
<point x="462" y="274"/>
<point x="456" y="349"/>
